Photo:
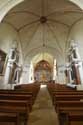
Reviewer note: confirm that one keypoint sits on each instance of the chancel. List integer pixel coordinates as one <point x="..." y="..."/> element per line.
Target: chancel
<point x="41" y="62"/>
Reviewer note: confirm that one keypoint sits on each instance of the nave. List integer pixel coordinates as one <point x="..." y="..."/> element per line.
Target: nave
<point x="36" y="104"/>
<point x="43" y="112"/>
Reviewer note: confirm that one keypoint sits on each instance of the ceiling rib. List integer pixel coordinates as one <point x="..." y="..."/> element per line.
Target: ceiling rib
<point x="49" y="46"/>
<point x="57" y="21"/>
<point x="42" y="7"/>
<point x="29" y="40"/>
<point x="77" y="21"/>
<point x="33" y="22"/>
<point x="54" y="35"/>
<point x="40" y="47"/>
<point x="10" y="24"/>
<point x="47" y="40"/>
<point x="58" y="52"/>
<point x="20" y="12"/>
<point x="65" y="12"/>
<point x="32" y="50"/>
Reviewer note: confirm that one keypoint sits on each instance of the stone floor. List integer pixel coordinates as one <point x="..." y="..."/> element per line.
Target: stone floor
<point x="43" y="112"/>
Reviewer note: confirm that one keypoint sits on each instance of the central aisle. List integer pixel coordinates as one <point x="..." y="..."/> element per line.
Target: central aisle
<point x="43" y="112"/>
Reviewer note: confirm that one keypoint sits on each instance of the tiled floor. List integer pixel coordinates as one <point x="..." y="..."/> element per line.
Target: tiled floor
<point x="43" y="112"/>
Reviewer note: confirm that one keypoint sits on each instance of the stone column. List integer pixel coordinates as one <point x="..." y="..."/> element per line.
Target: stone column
<point x="54" y="70"/>
<point x="25" y="74"/>
<point x="31" y="73"/>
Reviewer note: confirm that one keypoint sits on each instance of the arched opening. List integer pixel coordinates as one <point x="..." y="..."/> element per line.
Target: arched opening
<point x="43" y="72"/>
<point x="43" y="67"/>
<point x="43" y="28"/>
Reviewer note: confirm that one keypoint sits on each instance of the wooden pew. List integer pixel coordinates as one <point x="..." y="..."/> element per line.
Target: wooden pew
<point x="68" y="103"/>
<point x="17" y="92"/>
<point x="34" y="88"/>
<point x="63" y="95"/>
<point x="8" y="117"/>
<point x="67" y="98"/>
<point x="20" y="108"/>
<point x="69" y="111"/>
<point x="16" y="104"/>
<point x="67" y="93"/>
<point x="54" y="88"/>
<point x="6" y="91"/>
<point x="67" y="115"/>
<point x="59" y="87"/>
<point x="18" y="97"/>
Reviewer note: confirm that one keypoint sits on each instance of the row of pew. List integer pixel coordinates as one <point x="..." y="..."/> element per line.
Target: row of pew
<point x="15" y="105"/>
<point x="68" y="103"/>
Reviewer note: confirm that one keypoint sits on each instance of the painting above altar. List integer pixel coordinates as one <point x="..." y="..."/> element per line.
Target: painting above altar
<point x="43" y="71"/>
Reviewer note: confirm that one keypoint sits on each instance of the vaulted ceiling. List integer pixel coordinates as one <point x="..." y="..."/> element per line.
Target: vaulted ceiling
<point x="43" y="26"/>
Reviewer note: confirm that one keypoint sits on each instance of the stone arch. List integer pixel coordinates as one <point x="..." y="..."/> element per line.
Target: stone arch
<point x="7" y="5"/>
<point x="43" y="71"/>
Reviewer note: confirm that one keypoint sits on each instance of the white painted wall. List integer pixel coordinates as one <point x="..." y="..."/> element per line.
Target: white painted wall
<point x="77" y="35"/>
<point x="78" y="2"/>
<point x="8" y="34"/>
<point x="7" y="38"/>
<point x="6" y="5"/>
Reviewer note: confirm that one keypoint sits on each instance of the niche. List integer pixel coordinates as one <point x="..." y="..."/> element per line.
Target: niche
<point x="2" y="61"/>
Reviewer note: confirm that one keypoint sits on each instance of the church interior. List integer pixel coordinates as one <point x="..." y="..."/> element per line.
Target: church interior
<point x="41" y="67"/>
